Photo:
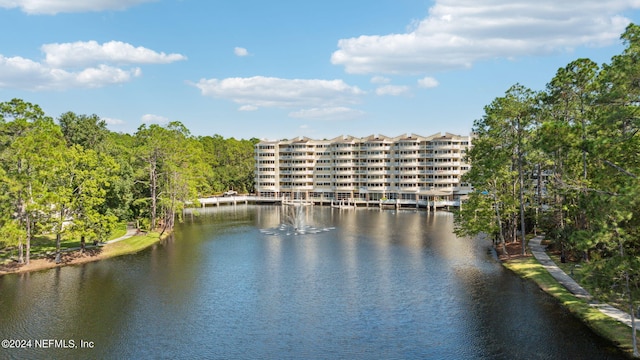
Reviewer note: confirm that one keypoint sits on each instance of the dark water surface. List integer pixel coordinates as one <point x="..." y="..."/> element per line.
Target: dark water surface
<point x="372" y="285"/>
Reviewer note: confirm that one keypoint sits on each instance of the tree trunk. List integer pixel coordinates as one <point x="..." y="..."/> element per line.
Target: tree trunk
<point x="633" y="318"/>
<point x="500" y="235"/>
<point x="628" y="289"/>
<point x="521" y="181"/>
<point x="153" y="181"/>
<point x="538" y="199"/>
<point x="28" y="238"/>
<point x="20" y="252"/>
<point x="58" y="254"/>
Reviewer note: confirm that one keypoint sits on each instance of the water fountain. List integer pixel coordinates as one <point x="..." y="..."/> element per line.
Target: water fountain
<point x="292" y="221"/>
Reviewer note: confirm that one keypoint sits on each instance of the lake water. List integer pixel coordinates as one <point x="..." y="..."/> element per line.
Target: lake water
<point x="231" y="284"/>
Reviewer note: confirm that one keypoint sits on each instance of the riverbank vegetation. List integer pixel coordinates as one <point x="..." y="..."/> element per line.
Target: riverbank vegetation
<point x="603" y="325"/>
<point x="565" y="161"/>
<point x="71" y="256"/>
<point x="69" y="182"/>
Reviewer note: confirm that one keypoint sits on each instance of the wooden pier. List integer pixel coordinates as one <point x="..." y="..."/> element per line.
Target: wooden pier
<point x="352" y="203"/>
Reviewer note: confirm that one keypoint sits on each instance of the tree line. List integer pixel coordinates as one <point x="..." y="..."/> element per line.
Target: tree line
<point x="565" y="160"/>
<point x="74" y="178"/>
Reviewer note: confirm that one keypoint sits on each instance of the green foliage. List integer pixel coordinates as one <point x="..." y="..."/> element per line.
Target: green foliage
<point x="498" y="158"/>
<point x="77" y="180"/>
<point x="88" y="131"/>
<point x="579" y="138"/>
<point x="476" y="216"/>
<point x="231" y="163"/>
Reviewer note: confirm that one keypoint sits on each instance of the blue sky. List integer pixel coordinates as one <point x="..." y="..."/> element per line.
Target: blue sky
<point x="280" y="69"/>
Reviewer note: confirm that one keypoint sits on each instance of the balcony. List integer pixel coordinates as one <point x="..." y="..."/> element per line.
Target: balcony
<point x="377" y="181"/>
<point x="407" y="156"/>
<point x="375" y="155"/>
<point x="345" y="147"/>
<point x="301" y="172"/>
<point x="343" y="156"/>
<point x="446" y="156"/>
<point x="344" y="172"/>
<point x="367" y="188"/>
<point x="343" y="181"/>
<point x="376" y="171"/>
<point x="454" y="146"/>
<point x="408" y="181"/>
<point x="302" y="156"/>
<point x="344" y="187"/>
<point x="408" y="172"/>
<point x="443" y="181"/>
<point x="302" y="149"/>
<point x="446" y="172"/>
<point x="442" y="163"/>
<point x="407" y="147"/>
<point x="299" y="165"/>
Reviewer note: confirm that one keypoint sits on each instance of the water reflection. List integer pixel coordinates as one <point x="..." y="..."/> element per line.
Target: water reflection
<point x="381" y="284"/>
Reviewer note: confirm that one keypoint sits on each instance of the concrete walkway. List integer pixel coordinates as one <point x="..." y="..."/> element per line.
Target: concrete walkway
<point x="538" y="252"/>
<point x="130" y="232"/>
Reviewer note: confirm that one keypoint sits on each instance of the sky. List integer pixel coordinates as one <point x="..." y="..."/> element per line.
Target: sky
<point x="287" y="68"/>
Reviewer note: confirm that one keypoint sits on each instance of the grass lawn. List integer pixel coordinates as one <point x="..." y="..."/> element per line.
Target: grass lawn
<point x="579" y="272"/>
<point x="43" y="245"/>
<point x="130" y="245"/>
<point x="120" y="230"/>
<point x="92" y="253"/>
<point x="618" y="333"/>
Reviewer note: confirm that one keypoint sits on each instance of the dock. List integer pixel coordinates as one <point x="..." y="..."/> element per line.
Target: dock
<point x="352" y="203"/>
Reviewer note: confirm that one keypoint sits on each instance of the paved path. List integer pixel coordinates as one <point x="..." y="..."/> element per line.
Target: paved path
<point x="130" y="232"/>
<point x="538" y="252"/>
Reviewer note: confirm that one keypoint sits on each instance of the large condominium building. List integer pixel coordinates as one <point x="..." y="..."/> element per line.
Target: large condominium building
<point x="405" y="168"/>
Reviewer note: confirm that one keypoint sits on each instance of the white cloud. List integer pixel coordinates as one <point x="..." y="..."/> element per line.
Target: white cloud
<point x="331" y="113"/>
<point x="380" y="80"/>
<point x="112" y="121"/>
<point x="260" y="91"/>
<point x="458" y="33"/>
<point x="79" y="65"/>
<point x="52" y="7"/>
<point x="26" y="74"/>
<point x="428" y="82"/>
<point x="248" y="108"/>
<point x="239" y="51"/>
<point x="393" y="90"/>
<point x="154" y="119"/>
<point x="83" y="53"/>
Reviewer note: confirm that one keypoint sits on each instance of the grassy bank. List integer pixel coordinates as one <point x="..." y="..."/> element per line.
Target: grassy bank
<point x="616" y="332"/>
<point x="130" y="245"/>
<point x="43" y="246"/>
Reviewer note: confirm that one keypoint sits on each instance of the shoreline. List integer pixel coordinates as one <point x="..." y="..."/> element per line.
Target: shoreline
<point x="128" y="244"/>
<point x="529" y="268"/>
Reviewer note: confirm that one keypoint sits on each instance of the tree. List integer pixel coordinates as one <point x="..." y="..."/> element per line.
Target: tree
<point x="615" y="151"/>
<point x="570" y="108"/>
<point x="231" y="163"/>
<point x="79" y="187"/>
<point x="89" y="131"/>
<point x="498" y="163"/>
<point x="175" y="171"/>
<point x="28" y="140"/>
<point x="120" y="191"/>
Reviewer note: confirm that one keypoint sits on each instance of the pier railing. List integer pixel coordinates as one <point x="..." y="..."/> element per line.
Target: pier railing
<point x="252" y="199"/>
